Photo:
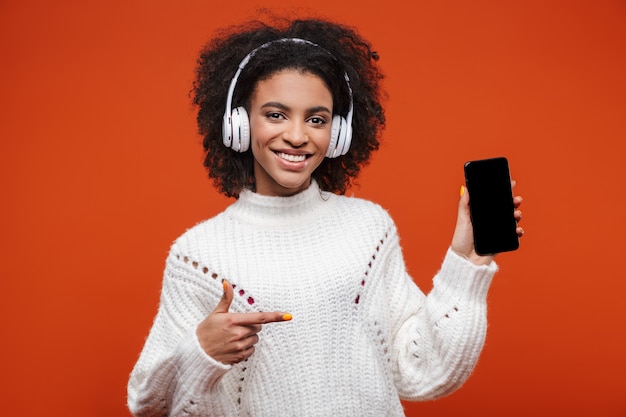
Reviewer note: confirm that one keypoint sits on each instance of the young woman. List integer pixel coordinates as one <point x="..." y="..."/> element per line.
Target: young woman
<point x="295" y="300"/>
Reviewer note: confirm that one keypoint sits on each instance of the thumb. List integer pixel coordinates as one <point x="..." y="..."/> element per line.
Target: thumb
<point x="463" y="237"/>
<point x="464" y="200"/>
<point x="226" y="300"/>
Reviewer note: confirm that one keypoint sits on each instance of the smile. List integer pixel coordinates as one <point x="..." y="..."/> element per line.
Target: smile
<point x="291" y="158"/>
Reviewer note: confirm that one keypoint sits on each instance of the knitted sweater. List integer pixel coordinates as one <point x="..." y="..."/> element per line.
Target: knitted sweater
<point x="362" y="337"/>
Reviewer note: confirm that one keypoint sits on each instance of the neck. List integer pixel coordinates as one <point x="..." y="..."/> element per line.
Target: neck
<point x="281" y="211"/>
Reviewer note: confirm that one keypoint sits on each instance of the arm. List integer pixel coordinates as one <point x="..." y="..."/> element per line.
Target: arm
<point x="436" y="339"/>
<point x="191" y="347"/>
<point x="173" y="374"/>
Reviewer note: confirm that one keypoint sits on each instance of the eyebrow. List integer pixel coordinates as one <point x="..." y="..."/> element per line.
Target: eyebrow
<point x="281" y="106"/>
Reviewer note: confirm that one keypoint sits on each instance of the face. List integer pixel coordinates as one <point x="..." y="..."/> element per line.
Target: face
<point x="290" y="123"/>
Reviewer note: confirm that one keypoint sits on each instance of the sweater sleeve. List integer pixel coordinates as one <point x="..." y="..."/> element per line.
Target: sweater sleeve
<point x="436" y="339"/>
<point x="173" y="375"/>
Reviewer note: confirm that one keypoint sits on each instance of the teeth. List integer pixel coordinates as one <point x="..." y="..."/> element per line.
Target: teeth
<point x="291" y="158"/>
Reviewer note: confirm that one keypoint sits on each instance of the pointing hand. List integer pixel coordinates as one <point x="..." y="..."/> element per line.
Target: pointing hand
<point x="230" y="337"/>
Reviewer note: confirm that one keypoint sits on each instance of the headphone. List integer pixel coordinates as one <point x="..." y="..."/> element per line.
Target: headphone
<point x="236" y="124"/>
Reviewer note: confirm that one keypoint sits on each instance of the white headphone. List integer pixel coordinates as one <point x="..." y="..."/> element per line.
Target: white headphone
<point x="236" y="124"/>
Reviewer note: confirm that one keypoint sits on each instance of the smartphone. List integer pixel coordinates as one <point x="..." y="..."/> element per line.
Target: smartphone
<point x="488" y="182"/>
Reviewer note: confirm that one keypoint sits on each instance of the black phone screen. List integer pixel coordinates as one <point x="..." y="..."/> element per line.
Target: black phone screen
<point x="491" y="205"/>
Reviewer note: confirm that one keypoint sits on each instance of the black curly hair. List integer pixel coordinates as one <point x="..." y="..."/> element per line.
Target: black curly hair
<point x="349" y="54"/>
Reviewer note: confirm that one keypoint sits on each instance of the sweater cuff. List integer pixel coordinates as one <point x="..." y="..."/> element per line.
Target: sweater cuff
<point x="460" y="278"/>
<point x="196" y="368"/>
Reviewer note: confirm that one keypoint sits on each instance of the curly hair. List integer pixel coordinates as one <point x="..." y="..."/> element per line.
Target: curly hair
<point x="343" y="52"/>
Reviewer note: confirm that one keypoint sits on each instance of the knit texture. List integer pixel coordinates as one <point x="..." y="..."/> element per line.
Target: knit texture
<point x="362" y="337"/>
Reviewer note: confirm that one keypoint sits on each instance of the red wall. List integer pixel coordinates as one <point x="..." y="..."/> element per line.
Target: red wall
<point x="101" y="170"/>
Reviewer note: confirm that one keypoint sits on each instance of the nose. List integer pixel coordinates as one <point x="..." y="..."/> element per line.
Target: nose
<point x="295" y="134"/>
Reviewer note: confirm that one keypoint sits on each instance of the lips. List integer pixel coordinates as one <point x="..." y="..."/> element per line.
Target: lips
<point x="290" y="157"/>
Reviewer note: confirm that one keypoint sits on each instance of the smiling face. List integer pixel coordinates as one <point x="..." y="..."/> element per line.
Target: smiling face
<point x="290" y="124"/>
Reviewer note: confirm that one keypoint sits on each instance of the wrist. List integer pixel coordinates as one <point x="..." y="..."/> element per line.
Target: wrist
<point x="475" y="258"/>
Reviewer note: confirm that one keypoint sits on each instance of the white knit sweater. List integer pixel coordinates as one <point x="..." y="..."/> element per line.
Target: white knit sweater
<point x="362" y="335"/>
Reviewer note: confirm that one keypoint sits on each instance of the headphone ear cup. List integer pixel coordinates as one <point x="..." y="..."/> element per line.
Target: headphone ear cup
<point x="227" y="132"/>
<point x="348" y="139"/>
<point x="240" y="129"/>
<point x="341" y="140"/>
<point x="244" y="129"/>
<point x="335" y="132"/>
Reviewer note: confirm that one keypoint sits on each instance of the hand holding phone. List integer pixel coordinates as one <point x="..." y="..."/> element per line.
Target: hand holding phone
<point x="491" y="205"/>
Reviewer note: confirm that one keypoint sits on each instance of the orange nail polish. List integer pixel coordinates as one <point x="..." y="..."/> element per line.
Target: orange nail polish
<point x="462" y="190"/>
<point x="224" y="284"/>
<point x="287" y="316"/>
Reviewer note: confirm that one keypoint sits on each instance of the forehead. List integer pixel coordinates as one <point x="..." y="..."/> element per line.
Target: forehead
<point x="292" y="85"/>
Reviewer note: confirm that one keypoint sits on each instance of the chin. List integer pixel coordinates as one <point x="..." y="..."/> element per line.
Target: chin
<point x="289" y="187"/>
<point x="295" y="187"/>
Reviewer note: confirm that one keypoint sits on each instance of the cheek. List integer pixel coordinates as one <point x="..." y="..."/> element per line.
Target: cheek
<point x="261" y="133"/>
<point x="256" y="137"/>
<point x="323" y="140"/>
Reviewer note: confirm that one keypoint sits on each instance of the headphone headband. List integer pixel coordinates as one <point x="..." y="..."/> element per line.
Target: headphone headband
<point x="236" y="126"/>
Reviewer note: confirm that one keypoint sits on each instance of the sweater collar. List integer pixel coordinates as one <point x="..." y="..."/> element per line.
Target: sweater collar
<point x="273" y="211"/>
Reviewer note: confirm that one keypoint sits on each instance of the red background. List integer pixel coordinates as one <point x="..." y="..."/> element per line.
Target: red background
<point x="101" y="171"/>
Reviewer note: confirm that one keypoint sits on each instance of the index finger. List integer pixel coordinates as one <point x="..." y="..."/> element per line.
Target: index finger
<point x="262" y="317"/>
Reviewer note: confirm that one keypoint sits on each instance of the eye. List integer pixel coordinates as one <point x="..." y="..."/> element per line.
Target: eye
<point x="274" y="115"/>
<point x="317" y="120"/>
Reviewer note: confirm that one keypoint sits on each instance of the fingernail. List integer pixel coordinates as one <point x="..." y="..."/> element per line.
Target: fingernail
<point x="287" y="316"/>
<point x="224" y="285"/>
<point x="462" y="190"/>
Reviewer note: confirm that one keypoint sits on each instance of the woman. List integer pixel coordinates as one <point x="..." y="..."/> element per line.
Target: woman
<point x="295" y="301"/>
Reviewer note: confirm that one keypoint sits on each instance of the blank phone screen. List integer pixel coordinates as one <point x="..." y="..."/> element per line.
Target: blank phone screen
<point x="491" y="206"/>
